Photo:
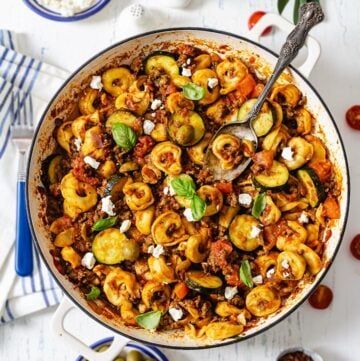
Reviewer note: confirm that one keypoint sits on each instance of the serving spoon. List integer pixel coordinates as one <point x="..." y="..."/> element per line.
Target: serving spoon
<point x="310" y="15"/>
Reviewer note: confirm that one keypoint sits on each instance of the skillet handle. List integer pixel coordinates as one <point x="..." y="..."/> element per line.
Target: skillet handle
<point x="278" y="21"/>
<point x="57" y="325"/>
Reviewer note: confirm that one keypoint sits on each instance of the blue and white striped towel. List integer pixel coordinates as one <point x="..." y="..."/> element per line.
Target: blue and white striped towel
<point x="26" y="85"/>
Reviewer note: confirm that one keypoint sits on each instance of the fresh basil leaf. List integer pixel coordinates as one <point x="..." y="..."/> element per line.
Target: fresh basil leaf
<point x="124" y="136"/>
<point x="183" y="186"/>
<point x="245" y="274"/>
<point x="149" y="320"/>
<point x="259" y="205"/>
<point x="281" y="4"/>
<point x="193" y="92"/>
<point x="198" y="207"/>
<point x="296" y="11"/>
<point x="102" y="224"/>
<point x="93" y="294"/>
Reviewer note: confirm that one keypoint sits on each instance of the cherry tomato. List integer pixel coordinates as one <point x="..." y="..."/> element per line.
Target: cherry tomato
<point x="353" y="117"/>
<point x="321" y="298"/>
<point x="355" y="246"/>
<point x="254" y="18"/>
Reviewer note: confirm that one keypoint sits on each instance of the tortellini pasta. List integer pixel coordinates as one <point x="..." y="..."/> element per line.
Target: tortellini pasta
<point x="227" y="148"/>
<point x="138" y="196"/>
<point x="230" y="72"/>
<point x="168" y="229"/>
<point x="262" y="301"/>
<point x="79" y="196"/>
<point x="167" y="157"/>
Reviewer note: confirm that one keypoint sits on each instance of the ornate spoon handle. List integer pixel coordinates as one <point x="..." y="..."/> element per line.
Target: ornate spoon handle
<point x="310" y="15"/>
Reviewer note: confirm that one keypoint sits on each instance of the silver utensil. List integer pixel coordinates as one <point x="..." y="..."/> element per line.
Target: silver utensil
<point x="22" y="133"/>
<point x="310" y="15"/>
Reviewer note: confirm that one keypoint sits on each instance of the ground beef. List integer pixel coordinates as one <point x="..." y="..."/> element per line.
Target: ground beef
<point x="82" y="172"/>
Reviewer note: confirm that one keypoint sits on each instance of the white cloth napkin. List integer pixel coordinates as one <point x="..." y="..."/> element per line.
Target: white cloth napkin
<point x="26" y="85"/>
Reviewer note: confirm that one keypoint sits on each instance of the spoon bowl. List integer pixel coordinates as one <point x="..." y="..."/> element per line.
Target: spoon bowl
<point x="242" y="130"/>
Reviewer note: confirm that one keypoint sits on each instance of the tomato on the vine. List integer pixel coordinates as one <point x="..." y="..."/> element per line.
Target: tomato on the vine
<point x="353" y="117"/>
<point x="254" y="18"/>
<point x="355" y="246"/>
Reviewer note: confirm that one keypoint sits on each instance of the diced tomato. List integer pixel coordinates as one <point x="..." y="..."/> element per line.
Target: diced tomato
<point x="355" y="246"/>
<point x="219" y="250"/>
<point x="181" y="290"/>
<point x="331" y="208"/>
<point x="321" y="298"/>
<point x="257" y="90"/>
<point x="322" y="169"/>
<point x="247" y="85"/>
<point x="353" y="117"/>
<point x="224" y="187"/>
<point x="264" y="159"/>
<point x="254" y="18"/>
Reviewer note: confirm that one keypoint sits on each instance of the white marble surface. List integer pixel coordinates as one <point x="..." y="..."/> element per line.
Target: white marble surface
<point x="334" y="332"/>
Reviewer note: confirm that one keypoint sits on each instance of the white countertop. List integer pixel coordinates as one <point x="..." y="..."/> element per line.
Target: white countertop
<point x="333" y="332"/>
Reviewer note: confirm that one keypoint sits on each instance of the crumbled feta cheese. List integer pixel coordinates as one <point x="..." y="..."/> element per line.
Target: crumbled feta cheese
<point x="166" y="190"/>
<point x="96" y="82"/>
<point x="107" y="206"/>
<point x="153" y="114"/>
<point x="176" y="314"/>
<point x="88" y="260"/>
<point x="245" y="199"/>
<point x="157" y="251"/>
<point x="230" y="292"/>
<point x="67" y="7"/>
<point x="258" y="280"/>
<point x="77" y="143"/>
<point x="241" y="318"/>
<point x="188" y="215"/>
<point x="151" y="249"/>
<point x="148" y="126"/>
<point x="303" y="218"/>
<point x="287" y="153"/>
<point x="186" y="72"/>
<point x="156" y="103"/>
<point x="188" y="61"/>
<point x="270" y="272"/>
<point x="285" y="264"/>
<point x="255" y="231"/>
<point x="213" y="82"/>
<point x="93" y="163"/>
<point x="171" y="190"/>
<point x="125" y="225"/>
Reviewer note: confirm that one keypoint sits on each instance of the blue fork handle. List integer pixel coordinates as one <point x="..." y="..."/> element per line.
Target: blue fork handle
<point x="23" y="249"/>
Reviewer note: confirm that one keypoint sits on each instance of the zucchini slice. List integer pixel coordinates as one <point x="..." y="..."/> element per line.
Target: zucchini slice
<point x="162" y="61"/>
<point x="186" y="129"/>
<point x="114" y="187"/>
<point x="273" y="179"/>
<point x="202" y="282"/>
<point x="110" y="246"/>
<point x="124" y="117"/>
<point x="264" y="121"/>
<point x="55" y="170"/>
<point x="315" y="192"/>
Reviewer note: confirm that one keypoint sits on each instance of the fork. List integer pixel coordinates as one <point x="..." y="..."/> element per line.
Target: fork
<point x="22" y="132"/>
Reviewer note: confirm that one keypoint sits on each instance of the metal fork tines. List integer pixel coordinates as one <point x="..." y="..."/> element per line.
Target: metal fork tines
<point x="22" y="132"/>
<point x="22" y="128"/>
